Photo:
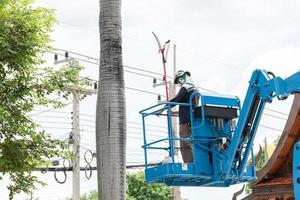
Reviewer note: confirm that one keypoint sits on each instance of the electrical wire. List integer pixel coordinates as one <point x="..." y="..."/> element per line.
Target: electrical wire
<point x="47" y="110"/>
<point x="49" y="116"/>
<point x="62" y="128"/>
<point x="144" y="91"/>
<point x="179" y="49"/>
<point x="147" y="71"/>
<point x="51" y="122"/>
<point x="172" y="78"/>
<point x="274" y="129"/>
<point x="53" y="111"/>
<point x="137" y="128"/>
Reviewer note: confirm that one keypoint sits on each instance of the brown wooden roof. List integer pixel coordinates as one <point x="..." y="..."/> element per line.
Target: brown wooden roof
<point x="274" y="181"/>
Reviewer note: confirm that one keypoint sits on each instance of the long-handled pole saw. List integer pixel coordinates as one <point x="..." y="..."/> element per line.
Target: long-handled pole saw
<point x="164" y="54"/>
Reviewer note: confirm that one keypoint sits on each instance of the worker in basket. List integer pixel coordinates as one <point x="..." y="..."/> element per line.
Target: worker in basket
<point x="183" y="78"/>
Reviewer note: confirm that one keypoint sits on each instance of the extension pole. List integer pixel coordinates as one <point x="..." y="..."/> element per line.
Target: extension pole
<point x="164" y="61"/>
<point x="165" y="74"/>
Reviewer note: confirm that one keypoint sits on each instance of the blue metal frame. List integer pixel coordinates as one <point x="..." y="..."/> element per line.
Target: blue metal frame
<point x="220" y="151"/>
<point x="296" y="170"/>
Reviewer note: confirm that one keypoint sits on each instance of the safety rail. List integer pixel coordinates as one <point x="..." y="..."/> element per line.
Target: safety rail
<point x="157" y="110"/>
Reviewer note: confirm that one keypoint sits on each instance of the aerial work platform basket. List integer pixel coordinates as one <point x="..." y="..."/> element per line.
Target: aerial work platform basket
<point x="222" y="134"/>
<point x="212" y="127"/>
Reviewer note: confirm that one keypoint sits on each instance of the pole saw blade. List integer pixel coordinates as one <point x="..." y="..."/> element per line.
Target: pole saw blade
<point x="158" y="42"/>
<point x="162" y="51"/>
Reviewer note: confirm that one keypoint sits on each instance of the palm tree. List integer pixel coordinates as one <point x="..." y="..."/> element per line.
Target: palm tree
<point x="111" y="110"/>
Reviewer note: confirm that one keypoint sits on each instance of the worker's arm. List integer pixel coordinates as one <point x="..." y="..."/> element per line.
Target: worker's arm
<point x="180" y="96"/>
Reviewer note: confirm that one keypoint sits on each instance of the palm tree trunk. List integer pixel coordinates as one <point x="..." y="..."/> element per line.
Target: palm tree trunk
<point x="111" y="110"/>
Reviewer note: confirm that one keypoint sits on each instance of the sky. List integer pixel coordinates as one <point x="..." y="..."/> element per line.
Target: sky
<point x="219" y="41"/>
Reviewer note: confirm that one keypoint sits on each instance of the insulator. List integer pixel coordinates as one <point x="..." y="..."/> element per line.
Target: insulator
<point x="66" y="55"/>
<point x="95" y="85"/>
<point x="154" y="80"/>
<point x="55" y="162"/>
<point x="55" y="57"/>
<point x="159" y="98"/>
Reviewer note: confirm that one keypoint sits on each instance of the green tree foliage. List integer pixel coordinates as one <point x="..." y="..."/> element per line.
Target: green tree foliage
<point x="137" y="189"/>
<point x="24" y="35"/>
<point x="93" y="195"/>
<point x="260" y="164"/>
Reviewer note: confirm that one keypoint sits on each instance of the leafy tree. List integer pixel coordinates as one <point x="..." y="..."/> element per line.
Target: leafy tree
<point x="24" y="35"/>
<point x="93" y="195"/>
<point x="260" y="164"/>
<point x="137" y="189"/>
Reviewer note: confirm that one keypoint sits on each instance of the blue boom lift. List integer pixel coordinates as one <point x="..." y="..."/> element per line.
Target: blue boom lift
<point x="222" y="135"/>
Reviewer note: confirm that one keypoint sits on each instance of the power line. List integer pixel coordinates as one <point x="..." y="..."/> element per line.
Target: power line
<point x="62" y="128"/>
<point x="274" y="129"/>
<point x="86" y="125"/>
<point x="274" y="116"/>
<point x="140" y="134"/>
<point x="47" y="110"/>
<point x="144" y="91"/>
<point x="130" y="122"/>
<point x="139" y="128"/>
<point x="276" y="111"/>
<point x="53" y="122"/>
<point x="168" y="77"/>
<point x="87" y="115"/>
<point x="179" y="49"/>
<point x="148" y="76"/>
<point x="147" y="71"/>
<point x="53" y="111"/>
<point x="97" y="63"/>
<point x="212" y="59"/>
<point x="49" y="116"/>
<point x="208" y="90"/>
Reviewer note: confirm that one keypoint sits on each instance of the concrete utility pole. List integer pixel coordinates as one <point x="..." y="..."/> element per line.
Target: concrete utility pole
<point x="75" y="135"/>
<point x="76" y="146"/>
<point x="175" y="190"/>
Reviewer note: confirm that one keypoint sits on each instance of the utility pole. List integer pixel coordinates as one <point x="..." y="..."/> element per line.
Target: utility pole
<point x="175" y="190"/>
<point x="266" y="158"/>
<point x="76" y="146"/>
<point x="75" y="134"/>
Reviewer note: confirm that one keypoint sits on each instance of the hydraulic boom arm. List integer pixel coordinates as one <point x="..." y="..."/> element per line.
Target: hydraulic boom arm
<point x="263" y="87"/>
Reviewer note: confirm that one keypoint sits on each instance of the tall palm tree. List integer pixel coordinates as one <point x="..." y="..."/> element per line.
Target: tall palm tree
<point x="111" y="110"/>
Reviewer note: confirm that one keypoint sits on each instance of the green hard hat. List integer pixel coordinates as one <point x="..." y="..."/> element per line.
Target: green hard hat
<point x="179" y="74"/>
